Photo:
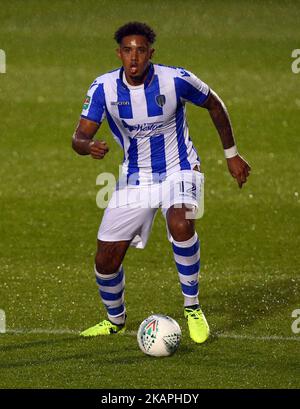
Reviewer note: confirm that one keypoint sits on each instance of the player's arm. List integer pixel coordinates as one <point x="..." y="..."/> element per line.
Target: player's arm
<point x="83" y="141"/>
<point x="237" y="165"/>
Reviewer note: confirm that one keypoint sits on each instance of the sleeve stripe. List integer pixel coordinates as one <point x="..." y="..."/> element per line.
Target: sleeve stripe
<point x="191" y="93"/>
<point x="86" y="117"/>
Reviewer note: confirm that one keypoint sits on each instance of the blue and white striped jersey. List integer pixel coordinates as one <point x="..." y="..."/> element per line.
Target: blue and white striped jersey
<point x="148" y="121"/>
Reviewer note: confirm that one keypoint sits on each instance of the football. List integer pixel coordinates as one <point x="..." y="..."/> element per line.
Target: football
<point x="159" y="335"/>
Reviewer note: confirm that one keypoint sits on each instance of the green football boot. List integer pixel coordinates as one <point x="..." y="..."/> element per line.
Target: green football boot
<point x="104" y="327"/>
<point x="198" y="326"/>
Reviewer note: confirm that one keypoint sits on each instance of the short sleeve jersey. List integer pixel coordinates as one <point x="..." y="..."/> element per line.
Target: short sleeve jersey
<point x="148" y="121"/>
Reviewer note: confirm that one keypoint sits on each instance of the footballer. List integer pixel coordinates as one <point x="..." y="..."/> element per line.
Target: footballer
<point x="145" y="106"/>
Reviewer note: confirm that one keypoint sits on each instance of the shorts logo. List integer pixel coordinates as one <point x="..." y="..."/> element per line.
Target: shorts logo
<point x="86" y="102"/>
<point x="184" y="190"/>
<point x="192" y="189"/>
<point x="160" y="100"/>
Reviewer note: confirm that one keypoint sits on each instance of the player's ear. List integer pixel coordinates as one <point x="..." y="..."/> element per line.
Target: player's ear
<point x="118" y="51"/>
<point x="152" y="52"/>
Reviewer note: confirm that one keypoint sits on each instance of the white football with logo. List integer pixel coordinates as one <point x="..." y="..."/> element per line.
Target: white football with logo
<point x="159" y="335"/>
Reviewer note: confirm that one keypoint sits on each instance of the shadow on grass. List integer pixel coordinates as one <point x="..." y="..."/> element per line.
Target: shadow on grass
<point x="52" y="354"/>
<point x="44" y="342"/>
<point x="246" y="303"/>
<point x="37" y="362"/>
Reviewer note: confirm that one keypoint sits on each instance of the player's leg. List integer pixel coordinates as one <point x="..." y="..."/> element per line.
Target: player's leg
<point x="181" y="201"/>
<point x="122" y="225"/>
<point x="110" y="278"/>
<point x="186" y="249"/>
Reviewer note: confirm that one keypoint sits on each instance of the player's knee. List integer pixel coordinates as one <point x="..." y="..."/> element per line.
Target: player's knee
<point x="106" y="265"/>
<point x="181" y="230"/>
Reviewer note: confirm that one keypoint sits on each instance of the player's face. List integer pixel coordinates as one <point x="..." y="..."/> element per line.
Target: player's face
<point x="135" y="52"/>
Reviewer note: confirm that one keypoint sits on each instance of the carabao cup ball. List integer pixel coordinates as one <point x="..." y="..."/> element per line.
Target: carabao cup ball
<point x="159" y="335"/>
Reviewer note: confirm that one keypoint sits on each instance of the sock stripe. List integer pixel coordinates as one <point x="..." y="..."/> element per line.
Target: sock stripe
<point x="110" y="282"/>
<point x="111" y="291"/>
<point x="189" y="290"/>
<point x="111" y="296"/>
<point x="114" y="290"/>
<point x="115" y="312"/>
<point x="188" y="243"/>
<point x="186" y="251"/>
<point x="189" y="280"/>
<point x="187" y="261"/>
<point x="188" y="270"/>
<point x="113" y="304"/>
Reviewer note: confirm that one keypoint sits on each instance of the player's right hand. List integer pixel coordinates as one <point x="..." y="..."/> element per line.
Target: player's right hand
<point x="98" y="149"/>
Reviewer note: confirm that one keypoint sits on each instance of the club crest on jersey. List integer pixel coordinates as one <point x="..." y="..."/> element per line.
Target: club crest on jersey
<point x="160" y="100"/>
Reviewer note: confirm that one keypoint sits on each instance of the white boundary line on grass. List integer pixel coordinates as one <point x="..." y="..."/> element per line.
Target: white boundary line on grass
<point x="66" y="331"/>
<point x="62" y="331"/>
<point x="258" y="338"/>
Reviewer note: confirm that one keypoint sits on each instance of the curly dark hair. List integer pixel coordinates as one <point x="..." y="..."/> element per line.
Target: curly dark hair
<point x="135" y="28"/>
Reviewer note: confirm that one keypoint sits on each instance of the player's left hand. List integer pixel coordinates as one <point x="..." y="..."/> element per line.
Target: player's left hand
<point x="98" y="149"/>
<point x="239" y="169"/>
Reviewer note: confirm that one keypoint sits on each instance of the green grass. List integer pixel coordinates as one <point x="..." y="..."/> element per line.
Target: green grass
<point x="49" y="219"/>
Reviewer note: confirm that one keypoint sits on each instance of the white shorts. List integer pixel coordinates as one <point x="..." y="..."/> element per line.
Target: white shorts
<point x="131" y="209"/>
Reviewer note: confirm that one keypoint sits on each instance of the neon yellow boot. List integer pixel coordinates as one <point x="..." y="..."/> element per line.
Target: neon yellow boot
<point x="198" y="326"/>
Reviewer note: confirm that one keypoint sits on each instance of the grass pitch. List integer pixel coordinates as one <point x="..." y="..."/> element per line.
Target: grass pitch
<point x="49" y="219"/>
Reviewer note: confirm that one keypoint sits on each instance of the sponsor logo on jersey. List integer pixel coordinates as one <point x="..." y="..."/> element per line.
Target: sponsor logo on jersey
<point x="153" y="126"/>
<point x="122" y="103"/>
